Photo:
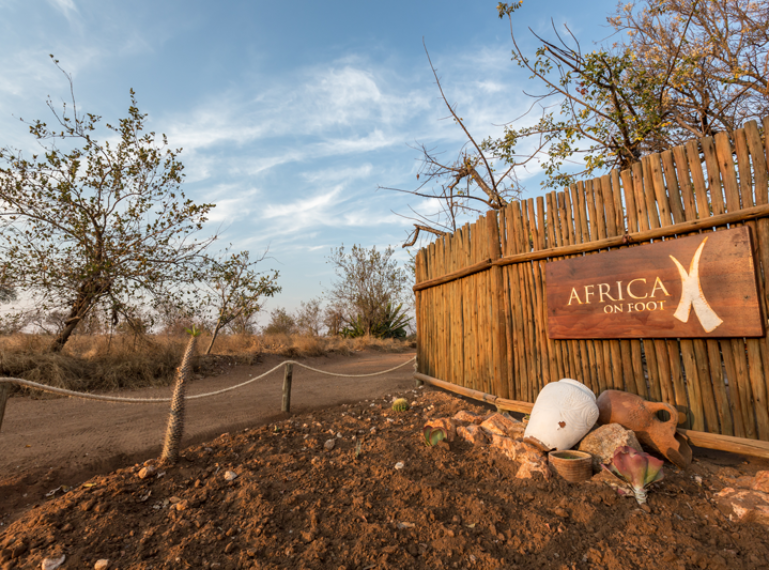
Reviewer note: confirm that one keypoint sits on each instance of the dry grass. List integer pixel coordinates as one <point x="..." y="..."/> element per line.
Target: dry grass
<point x="103" y="363"/>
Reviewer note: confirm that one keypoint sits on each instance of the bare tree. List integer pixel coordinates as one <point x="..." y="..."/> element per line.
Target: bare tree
<point x="309" y="317"/>
<point x="715" y="52"/>
<point x="687" y="68"/>
<point x="466" y="184"/>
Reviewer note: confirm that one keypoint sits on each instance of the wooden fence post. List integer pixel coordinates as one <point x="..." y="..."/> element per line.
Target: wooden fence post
<point x="5" y="393"/>
<point x="498" y="313"/>
<point x="287" y="377"/>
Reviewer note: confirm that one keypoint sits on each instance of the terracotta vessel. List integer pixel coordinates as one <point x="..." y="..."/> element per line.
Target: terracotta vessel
<point x="574" y="466"/>
<point x="635" y="413"/>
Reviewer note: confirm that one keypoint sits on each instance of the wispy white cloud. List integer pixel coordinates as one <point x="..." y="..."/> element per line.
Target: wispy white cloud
<point x="304" y="211"/>
<point x="232" y="203"/>
<point x="331" y="175"/>
<point x="66" y="7"/>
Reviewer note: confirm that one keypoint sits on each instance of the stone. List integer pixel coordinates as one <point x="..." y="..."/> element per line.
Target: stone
<point x="530" y="469"/>
<point x="182" y="505"/>
<point x="230" y="475"/>
<point x="102" y="564"/>
<point x="465" y="417"/>
<point x="501" y="424"/>
<point x="18" y="548"/>
<point x="472" y="434"/>
<point x="447" y="425"/>
<point x="147" y="472"/>
<point x="741" y="505"/>
<point x="601" y="443"/>
<point x="516" y="450"/>
<point x="761" y="482"/>
<point x="53" y="563"/>
<point x="331" y="443"/>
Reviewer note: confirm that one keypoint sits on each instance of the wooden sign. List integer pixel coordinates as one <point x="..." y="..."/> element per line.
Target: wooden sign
<point x="703" y="285"/>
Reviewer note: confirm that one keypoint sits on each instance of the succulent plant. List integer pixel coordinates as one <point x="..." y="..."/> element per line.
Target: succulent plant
<point x="401" y="405"/>
<point x="637" y="469"/>
<point x="433" y="436"/>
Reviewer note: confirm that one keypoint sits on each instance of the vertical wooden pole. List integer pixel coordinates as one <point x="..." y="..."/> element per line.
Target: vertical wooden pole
<point x="5" y="393"/>
<point x="498" y="315"/>
<point x="288" y="375"/>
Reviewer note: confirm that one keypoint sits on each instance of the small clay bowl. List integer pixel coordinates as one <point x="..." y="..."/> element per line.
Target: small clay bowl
<point x="572" y="465"/>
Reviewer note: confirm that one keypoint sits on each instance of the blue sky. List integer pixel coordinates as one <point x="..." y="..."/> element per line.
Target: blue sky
<point x="290" y="114"/>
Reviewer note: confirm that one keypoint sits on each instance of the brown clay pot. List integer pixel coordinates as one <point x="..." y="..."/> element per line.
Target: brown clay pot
<point x="634" y="413"/>
<point x="574" y="466"/>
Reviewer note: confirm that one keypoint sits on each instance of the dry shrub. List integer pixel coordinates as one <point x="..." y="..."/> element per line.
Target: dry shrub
<point x="101" y="362"/>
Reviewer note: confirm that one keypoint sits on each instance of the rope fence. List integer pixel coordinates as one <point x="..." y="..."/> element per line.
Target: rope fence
<point x="87" y="396"/>
<point x="175" y="427"/>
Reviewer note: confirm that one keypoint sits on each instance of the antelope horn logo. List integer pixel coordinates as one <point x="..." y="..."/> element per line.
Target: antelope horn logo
<point x="692" y="295"/>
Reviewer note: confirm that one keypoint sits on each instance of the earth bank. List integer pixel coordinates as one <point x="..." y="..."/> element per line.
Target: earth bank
<point x="282" y="496"/>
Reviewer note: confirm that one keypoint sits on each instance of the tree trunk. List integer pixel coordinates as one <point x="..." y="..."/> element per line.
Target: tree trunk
<point x="89" y="292"/>
<point x="66" y="332"/>
<point x="213" y="336"/>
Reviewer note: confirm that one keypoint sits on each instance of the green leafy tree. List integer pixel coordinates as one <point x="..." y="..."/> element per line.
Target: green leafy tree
<point x="686" y="68"/>
<point x="99" y="222"/>
<point x="369" y="284"/>
<point x="236" y="290"/>
<point x="281" y="322"/>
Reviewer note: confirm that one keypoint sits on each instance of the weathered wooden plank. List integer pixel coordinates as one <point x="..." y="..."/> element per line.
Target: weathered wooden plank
<point x="632" y="211"/>
<point x="658" y="186"/>
<point x="684" y="183"/>
<point x="527" y="298"/>
<point x="547" y="363"/>
<point x="758" y="160"/>
<point x="743" y="169"/>
<point x="698" y="179"/>
<point x="715" y="190"/>
<point x="497" y="297"/>
<point x="671" y="182"/>
<point x="640" y="197"/>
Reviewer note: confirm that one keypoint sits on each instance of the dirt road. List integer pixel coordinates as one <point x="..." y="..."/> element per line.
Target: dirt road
<point x="52" y="442"/>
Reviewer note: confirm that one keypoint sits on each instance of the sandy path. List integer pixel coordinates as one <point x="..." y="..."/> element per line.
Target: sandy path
<point x="46" y="443"/>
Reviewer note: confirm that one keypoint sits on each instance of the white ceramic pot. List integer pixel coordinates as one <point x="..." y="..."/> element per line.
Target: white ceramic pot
<point x="562" y="415"/>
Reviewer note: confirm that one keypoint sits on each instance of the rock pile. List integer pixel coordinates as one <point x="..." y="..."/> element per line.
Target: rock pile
<point x="500" y="431"/>
<point x="747" y="501"/>
<point x="505" y="433"/>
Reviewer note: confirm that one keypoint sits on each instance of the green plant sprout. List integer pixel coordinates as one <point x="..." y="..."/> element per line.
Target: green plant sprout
<point x="194" y="331"/>
<point x="637" y="469"/>
<point x="433" y="436"/>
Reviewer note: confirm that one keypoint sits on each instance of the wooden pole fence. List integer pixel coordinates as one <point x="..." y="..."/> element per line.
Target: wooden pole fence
<point x="482" y="298"/>
<point x="747" y="214"/>
<point x="288" y="375"/>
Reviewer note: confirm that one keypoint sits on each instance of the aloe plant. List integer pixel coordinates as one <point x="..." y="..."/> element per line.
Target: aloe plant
<point x="433" y="436"/>
<point x="400" y="405"/>
<point x="637" y="469"/>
